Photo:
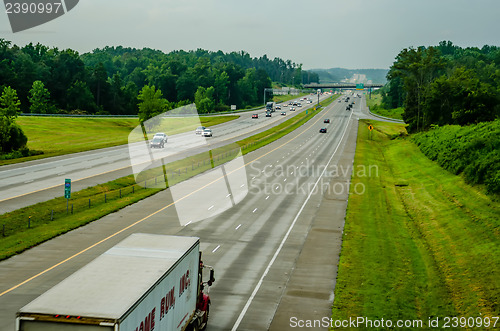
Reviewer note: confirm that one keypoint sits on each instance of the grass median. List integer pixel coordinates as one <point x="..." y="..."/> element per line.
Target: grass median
<point x="419" y="242"/>
<point x="27" y="227"/>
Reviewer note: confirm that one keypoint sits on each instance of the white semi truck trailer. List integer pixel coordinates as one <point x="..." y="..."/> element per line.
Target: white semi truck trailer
<point x="146" y="282"/>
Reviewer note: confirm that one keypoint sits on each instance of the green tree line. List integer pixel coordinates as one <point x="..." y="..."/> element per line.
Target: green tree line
<point x="472" y="150"/>
<point x="109" y="80"/>
<point x="445" y="84"/>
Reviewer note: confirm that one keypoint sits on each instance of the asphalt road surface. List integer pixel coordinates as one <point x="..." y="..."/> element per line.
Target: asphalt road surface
<point x="255" y="245"/>
<point x="40" y="180"/>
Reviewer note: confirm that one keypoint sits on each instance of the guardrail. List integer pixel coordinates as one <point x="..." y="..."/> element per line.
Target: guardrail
<point x="136" y="116"/>
<point x="76" y="115"/>
<point x="385" y="118"/>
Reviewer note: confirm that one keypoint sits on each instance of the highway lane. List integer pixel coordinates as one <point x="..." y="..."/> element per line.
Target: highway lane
<point x="240" y="243"/>
<point x="36" y="181"/>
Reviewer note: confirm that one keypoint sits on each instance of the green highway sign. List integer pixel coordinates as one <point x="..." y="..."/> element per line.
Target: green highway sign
<point x="360" y="86"/>
<point x="67" y="188"/>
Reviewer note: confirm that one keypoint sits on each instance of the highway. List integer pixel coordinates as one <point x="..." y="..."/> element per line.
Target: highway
<point x="253" y="246"/>
<point x="40" y="180"/>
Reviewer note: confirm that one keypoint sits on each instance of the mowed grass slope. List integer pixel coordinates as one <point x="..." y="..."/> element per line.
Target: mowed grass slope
<point x="57" y="135"/>
<point x="375" y="107"/>
<point x="63" y="135"/>
<point x="419" y="242"/>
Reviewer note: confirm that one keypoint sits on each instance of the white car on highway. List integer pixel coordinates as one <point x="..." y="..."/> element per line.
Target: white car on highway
<point x="162" y="136"/>
<point x="199" y="130"/>
<point x="207" y="133"/>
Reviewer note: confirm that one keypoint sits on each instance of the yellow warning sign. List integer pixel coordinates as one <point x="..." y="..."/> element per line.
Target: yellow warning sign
<point x="370" y="127"/>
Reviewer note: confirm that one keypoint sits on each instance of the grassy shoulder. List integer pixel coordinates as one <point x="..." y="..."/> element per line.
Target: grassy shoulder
<point x="375" y="107"/>
<point x="30" y="226"/>
<point x="64" y="135"/>
<point x="419" y="242"/>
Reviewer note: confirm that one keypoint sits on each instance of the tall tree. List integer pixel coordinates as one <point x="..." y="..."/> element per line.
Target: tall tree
<point x="151" y="103"/>
<point x="9" y="104"/>
<point x="39" y="98"/>
<point x="221" y="86"/>
<point x="418" y="68"/>
<point x="99" y="83"/>
<point x="80" y="98"/>
<point x="11" y="135"/>
<point x="66" y="68"/>
<point x="116" y="104"/>
<point x="7" y="74"/>
<point x="204" y="99"/>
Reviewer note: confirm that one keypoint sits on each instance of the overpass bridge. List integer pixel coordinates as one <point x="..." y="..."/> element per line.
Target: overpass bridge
<point x="340" y="86"/>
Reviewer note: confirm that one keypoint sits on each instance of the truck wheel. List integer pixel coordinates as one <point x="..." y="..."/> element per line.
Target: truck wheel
<point x="207" y="314"/>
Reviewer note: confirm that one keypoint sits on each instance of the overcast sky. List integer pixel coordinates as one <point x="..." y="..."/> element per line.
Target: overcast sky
<point x="350" y="34"/>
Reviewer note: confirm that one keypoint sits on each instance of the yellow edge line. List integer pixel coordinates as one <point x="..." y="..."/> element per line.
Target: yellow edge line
<point x="83" y="178"/>
<point x="145" y="218"/>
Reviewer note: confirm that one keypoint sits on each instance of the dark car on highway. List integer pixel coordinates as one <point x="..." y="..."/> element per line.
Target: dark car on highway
<point x="322" y="130"/>
<point x="327" y="120"/>
<point x="157" y="142"/>
<point x="255" y="115"/>
<point x="268" y="114"/>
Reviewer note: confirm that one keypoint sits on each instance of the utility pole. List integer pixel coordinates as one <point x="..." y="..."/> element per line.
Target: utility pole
<point x="265" y="90"/>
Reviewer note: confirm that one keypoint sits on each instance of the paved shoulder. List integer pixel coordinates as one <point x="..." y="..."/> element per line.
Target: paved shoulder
<point x="308" y="298"/>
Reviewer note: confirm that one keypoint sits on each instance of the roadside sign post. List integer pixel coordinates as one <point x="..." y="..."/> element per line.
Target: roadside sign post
<point x="370" y="127"/>
<point x="67" y="192"/>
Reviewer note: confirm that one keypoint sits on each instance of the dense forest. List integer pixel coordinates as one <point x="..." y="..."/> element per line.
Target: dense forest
<point x="109" y="80"/>
<point x="445" y="84"/>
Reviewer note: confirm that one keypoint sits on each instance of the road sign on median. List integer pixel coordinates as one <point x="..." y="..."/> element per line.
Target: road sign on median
<point x="67" y="188"/>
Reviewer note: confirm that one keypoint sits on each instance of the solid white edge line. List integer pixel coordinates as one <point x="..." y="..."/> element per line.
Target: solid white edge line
<point x="257" y="287"/>
<point x="216" y="248"/>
